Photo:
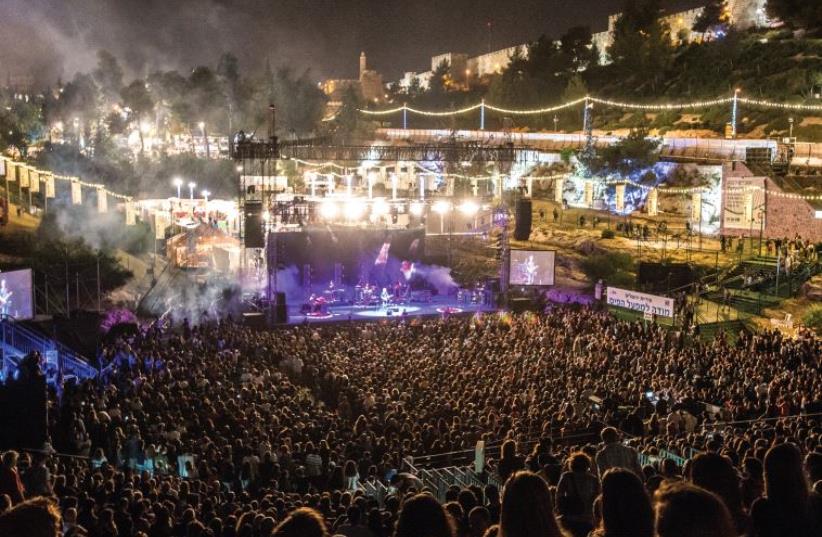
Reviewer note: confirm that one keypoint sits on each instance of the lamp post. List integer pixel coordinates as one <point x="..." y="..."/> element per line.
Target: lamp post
<point x="191" y="186"/>
<point x="790" y="127"/>
<point x="206" y="194"/>
<point x="178" y="183"/>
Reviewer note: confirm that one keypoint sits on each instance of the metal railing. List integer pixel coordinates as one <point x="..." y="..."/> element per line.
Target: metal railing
<point x="25" y="341"/>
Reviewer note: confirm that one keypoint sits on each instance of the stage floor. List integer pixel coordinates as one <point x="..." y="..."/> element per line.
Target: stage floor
<point x="348" y="312"/>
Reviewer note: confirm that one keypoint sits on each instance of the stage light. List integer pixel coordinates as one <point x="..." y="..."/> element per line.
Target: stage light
<point x="441" y="207"/>
<point x="354" y="209"/>
<point x="329" y="210"/>
<point x="416" y="208"/>
<point x="379" y="208"/>
<point x="469" y="208"/>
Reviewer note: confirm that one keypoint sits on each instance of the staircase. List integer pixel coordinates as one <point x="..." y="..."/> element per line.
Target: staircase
<point x="20" y="341"/>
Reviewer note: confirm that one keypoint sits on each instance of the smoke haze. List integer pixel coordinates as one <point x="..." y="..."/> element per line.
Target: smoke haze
<point x="51" y="38"/>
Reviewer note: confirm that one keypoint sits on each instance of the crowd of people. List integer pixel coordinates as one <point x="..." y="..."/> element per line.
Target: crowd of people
<point x="604" y="427"/>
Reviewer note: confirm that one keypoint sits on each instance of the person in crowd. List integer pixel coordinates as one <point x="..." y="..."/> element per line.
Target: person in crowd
<point x="423" y="516"/>
<point x="624" y="506"/>
<point x="10" y="482"/>
<point x="528" y="508"/>
<point x="302" y="522"/>
<point x="510" y="461"/>
<point x="576" y="492"/>
<point x="788" y="506"/>
<point x="716" y="473"/>
<point x="685" y="510"/>
<point x="616" y="455"/>
<point x="37" y="517"/>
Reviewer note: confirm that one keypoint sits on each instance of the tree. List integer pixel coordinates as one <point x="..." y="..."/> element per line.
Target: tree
<point x="439" y="79"/>
<point x="713" y="16"/>
<point x="108" y="75"/>
<point x="348" y="118"/>
<point x="630" y="155"/>
<point x="798" y="14"/>
<point x="137" y="98"/>
<point x="575" y="45"/>
<point x="642" y="42"/>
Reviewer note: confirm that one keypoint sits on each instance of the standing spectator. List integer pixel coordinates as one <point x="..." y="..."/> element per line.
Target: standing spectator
<point x="685" y="510"/>
<point x="9" y="478"/>
<point x="509" y="461"/>
<point x="788" y="507"/>
<point x="576" y="492"/>
<point x="423" y="516"/>
<point x="716" y="474"/>
<point x="626" y="508"/>
<point x="38" y="517"/>
<point x="303" y="522"/>
<point x="527" y="508"/>
<point x="616" y="455"/>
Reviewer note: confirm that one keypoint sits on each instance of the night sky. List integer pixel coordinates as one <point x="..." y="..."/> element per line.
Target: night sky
<point x="50" y="38"/>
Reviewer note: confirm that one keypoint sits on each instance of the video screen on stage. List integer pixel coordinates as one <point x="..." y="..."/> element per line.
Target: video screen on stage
<point x="532" y="267"/>
<point x="16" y="295"/>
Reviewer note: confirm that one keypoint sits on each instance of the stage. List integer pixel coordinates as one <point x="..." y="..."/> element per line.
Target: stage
<point x="438" y="305"/>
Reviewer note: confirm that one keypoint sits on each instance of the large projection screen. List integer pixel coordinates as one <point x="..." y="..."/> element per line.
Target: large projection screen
<point x="532" y="267"/>
<point x="16" y="298"/>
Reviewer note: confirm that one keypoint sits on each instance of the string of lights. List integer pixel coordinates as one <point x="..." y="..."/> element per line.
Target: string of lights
<point x="606" y="102"/>
<point x="695" y="189"/>
<point x="535" y="111"/>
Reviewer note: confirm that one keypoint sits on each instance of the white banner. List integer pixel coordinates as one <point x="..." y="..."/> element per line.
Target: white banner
<point x="160" y="224"/>
<point x="559" y="189"/>
<point x="102" y="200"/>
<point x="76" y="193"/>
<point x="49" y="186"/>
<point x="652" y="202"/>
<point x="633" y="300"/>
<point x="24" y="176"/>
<point x="589" y="193"/>
<point x="620" y="197"/>
<point x="34" y="181"/>
<point x="696" y="207"/>
<point x="743" y="203"/>
<point x="2" y="166"/>
<point x="131" y="217"/>
<point x="11" y="171"/>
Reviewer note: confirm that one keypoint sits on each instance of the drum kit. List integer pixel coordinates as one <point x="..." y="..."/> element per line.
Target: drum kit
<point x="470" y="296"/>
<point x="366" y="295"/>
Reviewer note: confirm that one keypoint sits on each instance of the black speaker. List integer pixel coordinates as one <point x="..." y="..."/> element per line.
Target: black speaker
<point x="280" y="308"/>
<point x="254" y="237"/>
<point x="522" y="222"/>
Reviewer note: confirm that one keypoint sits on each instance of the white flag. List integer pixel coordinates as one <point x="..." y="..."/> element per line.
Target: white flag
<point x="76" y="192"/>
<point x="34" y="181"/>
<point x="49" y="186"/>
<point x="102" y="200"/>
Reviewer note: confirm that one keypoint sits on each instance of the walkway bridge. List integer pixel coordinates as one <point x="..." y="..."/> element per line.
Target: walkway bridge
<point x="698" y="150"/>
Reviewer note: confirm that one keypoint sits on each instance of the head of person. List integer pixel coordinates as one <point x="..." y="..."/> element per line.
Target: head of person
<point x="785" y="482"/>
<point x="423" y="516"/>
<point x="527" y="508"/>
<point x="10" y="459"/>
<point x="685" y="510"/>
<point x="509" y="449"/>
<point x="625" y="506"/>
<point x="303" y="522"/>
<point x="609" y="435"/>
<point x="580" y="462"/>
<point x="813" y="466"/>
<point x="38" y="517"/>
<point x="715" y="473"/>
